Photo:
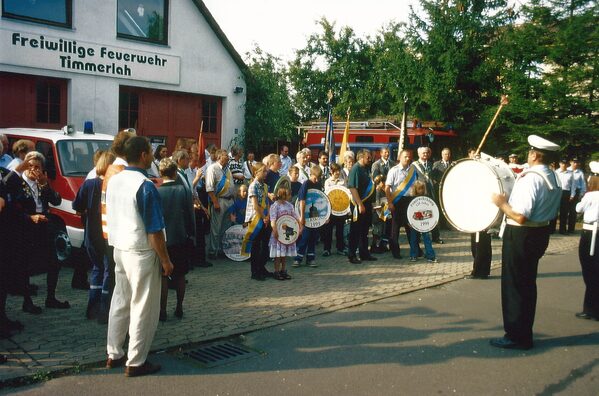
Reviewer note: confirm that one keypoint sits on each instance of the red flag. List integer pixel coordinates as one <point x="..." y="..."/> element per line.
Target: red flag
<point x="201" y="147"/>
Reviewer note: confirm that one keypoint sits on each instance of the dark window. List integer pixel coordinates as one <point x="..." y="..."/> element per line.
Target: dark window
<point x="209" y="115"/>
<point x="128" y="109"/>
<point x="51" y="12"/>
<point x="46" y="149"/>
<point x="393" y="139"/>
<point x="364" y="139"/>
<point x="47" y="102"/>
<point x="142" y="20"/>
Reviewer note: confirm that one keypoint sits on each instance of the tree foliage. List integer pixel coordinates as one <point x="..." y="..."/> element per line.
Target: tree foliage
<point x="270" y="117"/>
<point x="454" y="60"/>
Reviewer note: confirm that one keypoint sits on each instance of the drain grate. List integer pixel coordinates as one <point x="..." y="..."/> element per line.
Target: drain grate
<point x="219" y="353"/>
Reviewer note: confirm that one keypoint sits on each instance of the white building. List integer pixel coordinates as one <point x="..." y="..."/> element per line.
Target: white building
<point x="163" y="67"/>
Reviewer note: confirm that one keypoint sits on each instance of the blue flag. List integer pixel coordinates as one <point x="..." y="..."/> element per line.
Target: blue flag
<point x="330" y="137"/>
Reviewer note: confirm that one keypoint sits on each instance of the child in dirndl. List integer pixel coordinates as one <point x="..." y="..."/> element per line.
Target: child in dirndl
<point x="279" y="250"/>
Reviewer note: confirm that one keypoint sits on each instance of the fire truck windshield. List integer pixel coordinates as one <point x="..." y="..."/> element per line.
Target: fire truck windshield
<point x="76" y="157"/>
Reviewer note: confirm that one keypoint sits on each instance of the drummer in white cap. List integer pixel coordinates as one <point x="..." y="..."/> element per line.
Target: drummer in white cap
<point x="533" y="203"/>
<point x="588" y="251"/>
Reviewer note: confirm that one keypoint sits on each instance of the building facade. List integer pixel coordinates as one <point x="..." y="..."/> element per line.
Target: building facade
<point x="163" y="67"/>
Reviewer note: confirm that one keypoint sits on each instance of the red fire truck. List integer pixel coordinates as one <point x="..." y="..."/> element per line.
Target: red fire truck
<point x="375" y="134"/>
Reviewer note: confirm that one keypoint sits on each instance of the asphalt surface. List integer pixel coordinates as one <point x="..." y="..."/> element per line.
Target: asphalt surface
<point x="431" y="341"/>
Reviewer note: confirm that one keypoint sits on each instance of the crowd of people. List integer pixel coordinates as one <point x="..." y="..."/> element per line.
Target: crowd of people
<point x="142" y="237"/>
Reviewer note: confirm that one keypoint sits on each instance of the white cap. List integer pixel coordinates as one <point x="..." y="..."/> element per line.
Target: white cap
<point x="542" y="144"/>
<point x="594" y="165"/>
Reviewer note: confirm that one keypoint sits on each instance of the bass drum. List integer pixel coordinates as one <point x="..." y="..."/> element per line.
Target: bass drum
<point x="465" y="193"/>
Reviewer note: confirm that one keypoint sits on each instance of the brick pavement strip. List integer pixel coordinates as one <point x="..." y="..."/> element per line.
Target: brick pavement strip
<point x="222" y="301"/>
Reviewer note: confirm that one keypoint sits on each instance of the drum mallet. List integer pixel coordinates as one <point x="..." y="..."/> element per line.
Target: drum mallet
<point x="503" y="102"/>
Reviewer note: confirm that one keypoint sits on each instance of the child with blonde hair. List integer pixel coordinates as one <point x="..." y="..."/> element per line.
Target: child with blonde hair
<point x="278" y="250"/>
<point x="419" y="189"/>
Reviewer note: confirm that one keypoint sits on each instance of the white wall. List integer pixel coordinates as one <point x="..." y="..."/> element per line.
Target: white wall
<point x="206" y="66"/>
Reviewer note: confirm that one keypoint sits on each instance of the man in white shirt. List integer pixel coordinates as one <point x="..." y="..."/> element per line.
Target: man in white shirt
<point x="579" y="188"/>
<point x="565" y="177"/>
<point x="395" y="178"/>
<point x="221" y="190"/>
<point x="424" y="169"/>
<point x="303" y="165"/>
<point x="286" y="161"/>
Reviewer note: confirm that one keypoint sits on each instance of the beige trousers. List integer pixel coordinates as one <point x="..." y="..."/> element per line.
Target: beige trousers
<point x="135" y="305"/>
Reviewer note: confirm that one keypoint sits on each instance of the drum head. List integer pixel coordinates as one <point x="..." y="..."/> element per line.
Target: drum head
<point x="318" y="208"/>
<point x="340" y="198"/>
<point x="232" y="242"/>
<point x="423" y="214"/>
<point x="288" y="229"/>
<point x="465" y="193"/>
<point x="283" y="181"/>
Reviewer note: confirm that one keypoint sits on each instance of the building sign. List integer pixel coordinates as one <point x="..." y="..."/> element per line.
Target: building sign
<point x="56" y="53"/>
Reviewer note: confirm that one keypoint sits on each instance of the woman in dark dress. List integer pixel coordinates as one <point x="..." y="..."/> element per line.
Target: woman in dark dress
<point x="30" y="197"/>
<point x="178" y="213"/>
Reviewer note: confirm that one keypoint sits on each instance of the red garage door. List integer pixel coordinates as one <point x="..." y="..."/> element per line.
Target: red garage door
<point x="172" y="115"/>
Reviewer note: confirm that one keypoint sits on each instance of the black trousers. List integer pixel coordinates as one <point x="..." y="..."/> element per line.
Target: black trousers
<point x="572" y="212"/>
<point x="399" y="220"/>
<point x="564" y="211"/>
<point x="590" y="273"/>
<point x="260" y="251"/>
<point x="358" y="233"/>
<point x="522" y="249"/>
<point x="481" y="253"/>
<point x="335" y="224"/>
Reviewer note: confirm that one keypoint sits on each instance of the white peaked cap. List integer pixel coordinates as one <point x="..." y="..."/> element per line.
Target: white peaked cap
<point x="594" y="165"/>
<point x="542" y="144"/>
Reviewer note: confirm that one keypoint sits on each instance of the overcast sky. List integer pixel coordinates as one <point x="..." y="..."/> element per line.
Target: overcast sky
<point x="280" y="27"/>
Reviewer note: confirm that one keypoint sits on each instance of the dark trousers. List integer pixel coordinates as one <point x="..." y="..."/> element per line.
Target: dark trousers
<point x="572" y="212"/>
<point x="358" y="233"/>
<point x="481" y="253"/>
<point x="260" y="252"/>
<point x="335" y="224"/>
<point x="100" y="278"/>
<point x="590" y="273"/>
<point x="399" y="220"/>
<point x="522" y="249"/>
<point x="564" y="211"/>
<point x="202" y="228"/>
<point x="306" y="245"/>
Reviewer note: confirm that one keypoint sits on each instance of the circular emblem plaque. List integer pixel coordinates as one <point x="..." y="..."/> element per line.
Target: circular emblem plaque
<point x="340" y="198"/>
<point x="232" y="242"/>
<point x="318" y="208"/>
<point x="423" y="214"/>
<point x="287" y="229"/>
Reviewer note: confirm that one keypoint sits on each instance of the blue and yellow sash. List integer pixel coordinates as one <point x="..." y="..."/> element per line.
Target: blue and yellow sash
<point x="405" y="185"/>
<point x="369" y="191"/>
<point x="255" y="226"/>
<point x="224" y="183"/>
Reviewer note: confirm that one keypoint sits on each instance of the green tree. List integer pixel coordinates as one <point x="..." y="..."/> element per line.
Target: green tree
<point x="269" y="115"/>
<point x="331" y="60"/>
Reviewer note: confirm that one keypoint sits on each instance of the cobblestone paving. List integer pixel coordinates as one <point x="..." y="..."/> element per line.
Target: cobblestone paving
<point x="222" y="301"/>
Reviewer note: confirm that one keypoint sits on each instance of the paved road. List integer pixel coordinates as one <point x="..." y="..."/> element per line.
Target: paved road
<point x="224" y="302"/>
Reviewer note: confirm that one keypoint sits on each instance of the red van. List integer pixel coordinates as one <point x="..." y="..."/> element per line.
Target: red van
<point x="69" y="158"/>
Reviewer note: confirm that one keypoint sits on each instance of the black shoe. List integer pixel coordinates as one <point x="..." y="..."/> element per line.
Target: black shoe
<point x="83" y="285"/>
<point x="476" y="277"/>
<point x="258" y="277"/>
<point x="368" y="258"/>
<point x="54" y="303"/>
<point x="285" y="275"/>
<point x="14" y="325"/>
<point x="506" y="343"/>
<point x="31" y="308"/>
<point x="354" y="260"/>
<point x="179" y="312"/>
<point x="584" y="315"/>
<point x="439" y="241"/>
